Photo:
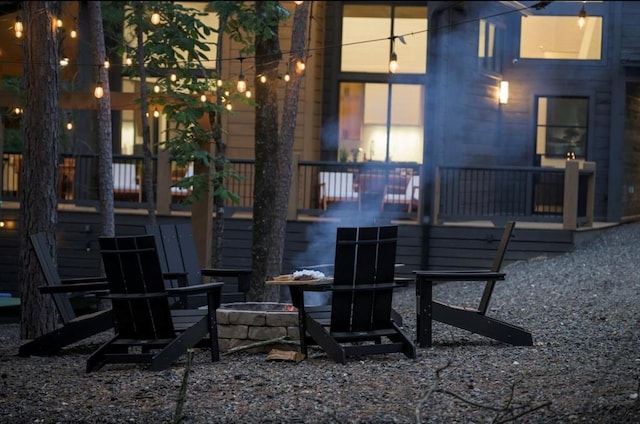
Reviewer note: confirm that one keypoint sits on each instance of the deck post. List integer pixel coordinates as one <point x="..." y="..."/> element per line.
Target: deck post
<point x="570" y="201"/>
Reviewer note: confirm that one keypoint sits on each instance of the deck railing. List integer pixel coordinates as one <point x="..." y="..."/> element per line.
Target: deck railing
<point x="327" y="188"/>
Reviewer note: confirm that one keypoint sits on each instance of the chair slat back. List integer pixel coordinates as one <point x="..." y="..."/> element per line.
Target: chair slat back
<point x="177" y="252"/>
<point x="50" y="272"/>
<point x="496" y="266"/>
<point x="133" y="268"/>
<point x="363" y="256"/>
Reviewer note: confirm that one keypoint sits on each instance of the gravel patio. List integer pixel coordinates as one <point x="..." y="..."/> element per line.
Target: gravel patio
<point x="583" y="309"/>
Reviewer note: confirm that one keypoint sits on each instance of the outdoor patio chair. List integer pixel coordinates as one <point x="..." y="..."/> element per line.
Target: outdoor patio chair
<point x="74" y="327"/>
<point x="360" y="320"/>
<point x="336" y="187"/>
<point x="125" y="181"/>
<point x="402" y="194"/>
<point x="147" y="329"/>
<point x="177" y="251"/>
<point x="474" y="320"/>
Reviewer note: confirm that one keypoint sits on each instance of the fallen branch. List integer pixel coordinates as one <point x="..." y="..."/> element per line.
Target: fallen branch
<point x="280" y="340"/>
<point x="182" y="394"/>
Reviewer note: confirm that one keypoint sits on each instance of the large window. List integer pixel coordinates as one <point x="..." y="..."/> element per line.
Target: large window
<point x="381" y="115"/>
<point x="561" y="129"/>
<point x="560" y="37"/>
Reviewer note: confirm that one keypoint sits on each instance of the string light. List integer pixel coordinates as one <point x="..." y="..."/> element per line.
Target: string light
<point x="298" y="2"/>
<point x="203" y="97"/>
<point x="74" y="32"/>
<point x="99" y="90"/>
<point x="64" y="61"/>
<point x="582" y="17"/>
<point x="18" y="28"/>
<point x="300" y="67"/>
<point x="242" y="84"/>
<point x="156" y="113"/>
<point x="155" y="16"/>
<point x="59" y="23"/>
<point x="173" y="77"/>
<point x="248" y="94"/>
<point x="393" y="63"/>
<point x="106" y="64"/>
<point x="69" y="125"/>
<point x="263" y="78"/>
<point x="156" y="88"/>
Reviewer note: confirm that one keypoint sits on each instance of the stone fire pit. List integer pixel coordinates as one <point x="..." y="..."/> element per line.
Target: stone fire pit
<point x="240" y="324"/>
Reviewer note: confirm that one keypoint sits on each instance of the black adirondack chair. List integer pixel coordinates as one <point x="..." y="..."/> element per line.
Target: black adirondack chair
<point x="74" y="328"/>
<point x="360" y="319"/>
<point x="178" y="254"/>
<point x="471" y="319"/>
<point x="147" y="329"/>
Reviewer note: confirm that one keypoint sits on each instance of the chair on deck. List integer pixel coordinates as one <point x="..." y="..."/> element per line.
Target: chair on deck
<point x="125" y="180"/>
<point x="406" y="193"/>
<point x="147" y="329"/>
<point x="474" y="320"/>
<point x="74" y="328"/>
<point x="177" y="251"/>
<point x="360" y="320"/>
<point x="336" y="187"/>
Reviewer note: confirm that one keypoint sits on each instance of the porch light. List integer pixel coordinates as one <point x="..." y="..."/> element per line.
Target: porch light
<point x="503" y="94"/>
<point x="393" y="63"/>
<point x="582" y="17"/>
<point x="18" y="27"/>
<point x="155" y="16"/>
<point x="99" y="90"/>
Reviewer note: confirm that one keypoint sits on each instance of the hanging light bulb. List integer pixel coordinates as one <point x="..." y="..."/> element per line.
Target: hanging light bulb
<point x="393" y="63"/>
<point x="74" y="32"/>
<point x="263" y="78"/>
<point x="18" y="28"/>
<point x="287" y="77"/>
<point x="241" y="86"/>
<point x="298" y="2"/>
<point x="106" y="64"/>
<point x="155" y="16"/>
<point x="156" y="113"/>
<point x="69" y="125"/>
<point x="582" y="17"/>
<point x="300" y="67"/>
<point x="128" y="61"/>
<point x="219" y="83"/>
<point x="64" y="61"/>
<point x="203" y="97"/>
<point x="173" y="77"/>
<point x="99" y="91"/>
<point x="248" y="94"/>
<point x="156" y="88"/>
<point x="59" y="23"/>
<point x="228" y="106"/>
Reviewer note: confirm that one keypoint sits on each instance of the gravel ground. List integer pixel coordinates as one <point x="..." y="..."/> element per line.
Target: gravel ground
<point x="582" y="308"/>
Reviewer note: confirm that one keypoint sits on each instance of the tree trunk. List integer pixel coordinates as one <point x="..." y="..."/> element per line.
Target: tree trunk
<point x="105" y="148"/>
<point x="148" y="171"/>
<point x="39" y="171"/>
<point x="271" y="172"/>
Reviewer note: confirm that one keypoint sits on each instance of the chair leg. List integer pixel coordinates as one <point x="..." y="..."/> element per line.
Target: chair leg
<point x="325" y="341"/>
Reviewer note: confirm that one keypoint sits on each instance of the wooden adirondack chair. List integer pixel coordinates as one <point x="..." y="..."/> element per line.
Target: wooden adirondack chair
<point x="177" y="251"/>
<point x="471" y="319"/>
<point x="74" y="328"/>
<point x="147" y="329"/>
<point x="360" y="320"/>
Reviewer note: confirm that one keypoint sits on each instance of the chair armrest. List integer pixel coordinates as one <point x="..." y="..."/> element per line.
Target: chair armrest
<point x="77" y="280"/>
<point x="472" y="275"/>
<point x="199" y="288"/>
<point x="174" y="275"/>
<point x="75" y="288"/>
<point x="403" y="281"/>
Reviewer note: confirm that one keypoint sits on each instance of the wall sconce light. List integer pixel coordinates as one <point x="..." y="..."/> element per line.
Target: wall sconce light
<point x="503" y="93"/>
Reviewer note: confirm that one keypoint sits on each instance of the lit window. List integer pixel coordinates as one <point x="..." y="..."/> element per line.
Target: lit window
<point x="367" y="31"/>
<point x="561" y="128"/>
<point x="489" y="39"/>
<point x="560" y="37"/>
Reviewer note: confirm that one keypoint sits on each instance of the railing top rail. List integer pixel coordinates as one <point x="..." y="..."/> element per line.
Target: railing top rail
<point x="540" y="169"/>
